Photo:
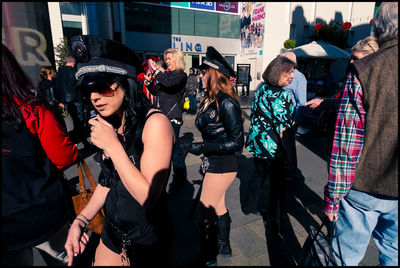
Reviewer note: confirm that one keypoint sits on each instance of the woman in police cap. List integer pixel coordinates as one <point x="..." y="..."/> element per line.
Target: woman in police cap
<point x="220" y="121"/>
<point x="136" y="144"/>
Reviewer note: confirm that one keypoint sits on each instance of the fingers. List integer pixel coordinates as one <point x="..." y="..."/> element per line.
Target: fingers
<point x="104" y="122"/>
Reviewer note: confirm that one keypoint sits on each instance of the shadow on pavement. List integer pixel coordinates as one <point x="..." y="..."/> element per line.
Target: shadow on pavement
<point x="316" y="143"/>
<point x="301" y="203"/>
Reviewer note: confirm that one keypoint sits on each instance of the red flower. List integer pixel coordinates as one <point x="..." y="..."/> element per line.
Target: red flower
<point x="318" y="26"/>
<point x="371" y="21"/>
<point x="346" y="26"/>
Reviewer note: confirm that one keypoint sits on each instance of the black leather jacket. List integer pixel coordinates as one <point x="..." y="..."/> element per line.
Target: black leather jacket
<point x="65" y="85"/>
<point x="224" y="136"/>
<point x="47" y="88"/>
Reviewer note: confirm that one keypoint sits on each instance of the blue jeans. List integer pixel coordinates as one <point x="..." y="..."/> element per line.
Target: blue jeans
<point x="360" y="215"/>
<point x="178" y="161"/>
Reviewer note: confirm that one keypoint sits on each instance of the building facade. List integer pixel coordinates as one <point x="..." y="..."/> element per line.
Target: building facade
<point x="244" y="32"/>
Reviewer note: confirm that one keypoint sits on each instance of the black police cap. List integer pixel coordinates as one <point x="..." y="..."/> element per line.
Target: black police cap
<point x="100" y="60"/>
<point x="216" y="61"/>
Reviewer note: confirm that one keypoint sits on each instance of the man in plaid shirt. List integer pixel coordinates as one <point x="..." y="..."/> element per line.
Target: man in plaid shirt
<point x="347" y="145"/>
<point x="362" y="191"/>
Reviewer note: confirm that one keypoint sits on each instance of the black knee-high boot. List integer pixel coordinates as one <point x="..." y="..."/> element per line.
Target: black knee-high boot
<point x="224" y="228"/>
<point x="209" y="233"/>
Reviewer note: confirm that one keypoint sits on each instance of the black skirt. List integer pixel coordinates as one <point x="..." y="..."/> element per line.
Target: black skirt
<point x="222" y="163"/>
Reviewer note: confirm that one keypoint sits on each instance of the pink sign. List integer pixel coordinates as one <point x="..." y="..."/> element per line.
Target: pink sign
<point x="231" y="7"/>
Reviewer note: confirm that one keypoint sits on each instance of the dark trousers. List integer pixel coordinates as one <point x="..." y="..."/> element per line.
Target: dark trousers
<point x="192" y="104"/>
<point x="178" y="162"/>
<point x="290" y="147"/>
<point x="272" y="168"/>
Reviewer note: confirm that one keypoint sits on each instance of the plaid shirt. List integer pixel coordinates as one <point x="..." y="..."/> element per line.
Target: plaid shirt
<point x="347" y="144"/>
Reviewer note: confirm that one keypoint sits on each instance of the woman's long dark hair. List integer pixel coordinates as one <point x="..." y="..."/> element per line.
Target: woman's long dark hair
<point x="136" y="107"/>
<point x="218" y="82"/>
<point x="16" y="85"/>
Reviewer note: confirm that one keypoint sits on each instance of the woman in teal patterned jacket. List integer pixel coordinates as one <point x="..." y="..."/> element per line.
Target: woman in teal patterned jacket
<point x="272" y="112"/>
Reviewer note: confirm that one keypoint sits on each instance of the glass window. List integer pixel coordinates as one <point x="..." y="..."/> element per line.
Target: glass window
<point x="174" y="21"/>
<point x="72" y="24"/>
<point x="231" y="61"/>
<point x="139" y="17"/>
<point x="228" y="26"/>
<point x="70" y="8"/>
<point x="186" y="20"/>
<point x="206" y="24"/>
<point x="162" y="17"/>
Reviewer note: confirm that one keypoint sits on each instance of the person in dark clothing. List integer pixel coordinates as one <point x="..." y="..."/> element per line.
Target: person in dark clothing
<point x="70" y="99"/>
<point x="46" y="86"/>
<point x="272" y="114"/>
<point x="220" y="121"/>
<point x="136" y="142"/>
<point x="35" y="207"/>
<point x="192" y="86"/>
<point x="169" y="88"/>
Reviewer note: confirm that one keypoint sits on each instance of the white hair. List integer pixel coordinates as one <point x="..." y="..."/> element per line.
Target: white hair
<point x="385" y="22"/>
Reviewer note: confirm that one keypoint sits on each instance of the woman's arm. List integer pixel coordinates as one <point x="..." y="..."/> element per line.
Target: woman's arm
<point x="172" y="82"/>
<point x="77" y="239"/>
<point x="158" y="139"/>
<point x="59" y="148"/>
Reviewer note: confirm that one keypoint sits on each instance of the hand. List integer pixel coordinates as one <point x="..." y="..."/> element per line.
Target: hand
<point x="314" y="103"/>
<point x="196" y="148"/>
<point x="61" y="105"/>
<point x="332" y="216"/>
<point x="76" y="241"/>
<point x="147" y="76"/>
<point x="103" y="134"/>
<point x="152" y="64"/>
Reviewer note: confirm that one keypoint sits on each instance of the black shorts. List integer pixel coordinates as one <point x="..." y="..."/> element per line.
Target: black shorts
<point x="222" y="163"/>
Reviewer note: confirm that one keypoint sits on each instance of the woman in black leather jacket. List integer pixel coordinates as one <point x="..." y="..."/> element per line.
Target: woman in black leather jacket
<point x="220" y="121"/>
<point x="46" y="85"/>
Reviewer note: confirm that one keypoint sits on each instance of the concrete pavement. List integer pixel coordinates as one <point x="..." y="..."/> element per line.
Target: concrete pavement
<point x="252" y="243"/>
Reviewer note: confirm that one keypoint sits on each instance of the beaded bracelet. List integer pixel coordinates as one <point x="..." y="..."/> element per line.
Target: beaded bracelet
<point x="85" y="218"/>
<point x="81" y="221"/>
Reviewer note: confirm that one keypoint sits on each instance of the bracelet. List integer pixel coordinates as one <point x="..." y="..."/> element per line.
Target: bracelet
<point x="81" y="221"/>
<point x="85" y="217"/>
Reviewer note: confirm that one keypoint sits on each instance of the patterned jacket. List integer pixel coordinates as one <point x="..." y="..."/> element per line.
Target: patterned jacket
<point x="272" y="111"/>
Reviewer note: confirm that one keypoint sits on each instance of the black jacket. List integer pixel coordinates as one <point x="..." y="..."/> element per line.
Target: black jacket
<point x="169" y="88"/>
<point x="47" y="88"/>
<point x="65" y="85"/>
<point x="224" y="136"/>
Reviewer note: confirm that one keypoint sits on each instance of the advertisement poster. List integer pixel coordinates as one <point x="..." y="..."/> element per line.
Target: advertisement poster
<point x="231" y="7"/>
<point x="243" y="74"/>
<point x="28" y="35"/>
<point x="252" y="28"/>
<point x="203" y="5"/>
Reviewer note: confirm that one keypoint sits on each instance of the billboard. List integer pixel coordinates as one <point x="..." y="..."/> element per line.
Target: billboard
<point x="252" y="28"/>
<point x="218" y="7"/>
<point x="230" y="7"/>
<point x="26" y="32"/>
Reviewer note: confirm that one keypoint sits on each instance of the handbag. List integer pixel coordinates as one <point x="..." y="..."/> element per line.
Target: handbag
<point x="186" y="103"/>
<point x="317" y="250"/>
<point x="82" y="198"/>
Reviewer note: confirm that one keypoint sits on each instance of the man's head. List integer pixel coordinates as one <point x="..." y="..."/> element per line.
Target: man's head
<point x="69" y="60"/>
<point x="385" y="22"/>
<point x="291" y="56"/>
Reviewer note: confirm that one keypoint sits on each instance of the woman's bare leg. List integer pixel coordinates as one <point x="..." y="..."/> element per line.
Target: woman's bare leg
<point x="214" y="188"/>
<point x="105" y="256"/>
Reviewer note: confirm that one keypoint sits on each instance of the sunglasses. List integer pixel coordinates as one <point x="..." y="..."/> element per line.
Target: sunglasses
<point x="104" y="89"/>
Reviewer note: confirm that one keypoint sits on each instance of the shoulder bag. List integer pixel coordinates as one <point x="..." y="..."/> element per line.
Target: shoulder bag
<point x="80" y="200"/>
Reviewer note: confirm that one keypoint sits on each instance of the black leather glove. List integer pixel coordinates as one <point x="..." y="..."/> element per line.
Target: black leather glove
<point x="196" y="148"/>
